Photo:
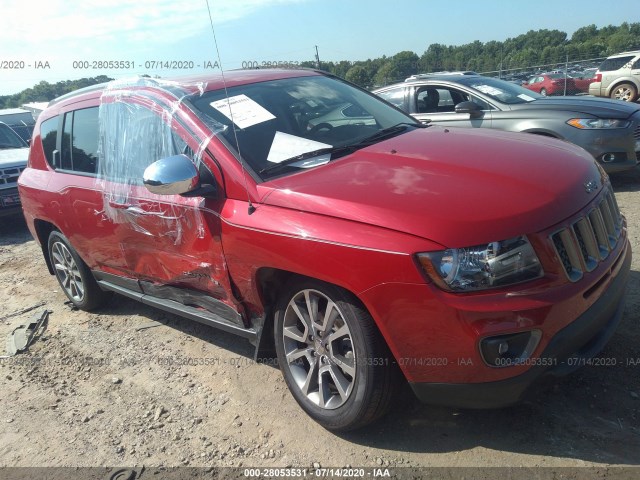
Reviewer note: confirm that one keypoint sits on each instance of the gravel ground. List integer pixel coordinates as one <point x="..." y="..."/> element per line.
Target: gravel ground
<point x="108" y="388"/>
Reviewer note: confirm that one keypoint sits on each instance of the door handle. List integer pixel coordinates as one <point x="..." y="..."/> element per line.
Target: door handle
<point x="119" y="206"/>
<point x="136" y="210"/>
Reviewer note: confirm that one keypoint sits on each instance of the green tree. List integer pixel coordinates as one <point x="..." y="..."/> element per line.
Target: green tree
<point x="359" y="75"/>
<point x="405" y="63"/>
<point x="386" y="74"/>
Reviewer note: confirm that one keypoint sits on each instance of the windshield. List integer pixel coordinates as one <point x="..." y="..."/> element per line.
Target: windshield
<point x="24" y="131"/>
<point x="500" y="90"/>
<point x="9" y="138"/>
<point x="282" y="121"/>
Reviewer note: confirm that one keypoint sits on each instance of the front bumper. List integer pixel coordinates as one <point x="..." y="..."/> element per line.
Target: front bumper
<point x="10" y="202"/>
<point x="567" y="351"/>
<point x="616" y="149"/>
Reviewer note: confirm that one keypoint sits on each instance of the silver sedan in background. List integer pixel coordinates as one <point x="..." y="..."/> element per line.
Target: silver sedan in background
<point x="608" y="129"/>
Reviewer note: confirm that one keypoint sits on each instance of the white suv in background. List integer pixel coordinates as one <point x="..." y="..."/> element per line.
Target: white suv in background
<point x="618" y="77"/>
<point x="14" y="152"/>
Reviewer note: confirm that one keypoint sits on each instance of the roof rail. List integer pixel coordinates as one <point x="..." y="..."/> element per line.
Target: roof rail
<point x="419" y="76"/>
<point x="80" y="91"/>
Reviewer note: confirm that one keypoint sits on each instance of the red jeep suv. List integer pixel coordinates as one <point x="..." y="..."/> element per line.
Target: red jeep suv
<point x="361" y="251"/>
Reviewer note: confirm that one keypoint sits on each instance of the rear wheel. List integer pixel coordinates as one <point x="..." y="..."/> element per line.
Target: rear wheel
<point x="625" y="92"/>
<point x="543" y="92"/>
<point x="334" y="361"/>
<point x="73" y="275"/>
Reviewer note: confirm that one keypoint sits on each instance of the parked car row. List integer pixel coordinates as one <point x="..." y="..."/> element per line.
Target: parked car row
<point x="557" y="84"/>
<point x="609" y="130"/>
<point x="617" y="77"/>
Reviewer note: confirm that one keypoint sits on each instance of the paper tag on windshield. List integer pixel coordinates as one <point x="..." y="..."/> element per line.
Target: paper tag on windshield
<point x="526" y="98"/>
<point x="285" y="146"/>
<point x="244" y="112"/>
<point x="488" y="89"/>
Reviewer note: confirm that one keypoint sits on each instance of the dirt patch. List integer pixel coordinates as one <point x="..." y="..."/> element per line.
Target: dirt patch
<point x="98" y="389"/>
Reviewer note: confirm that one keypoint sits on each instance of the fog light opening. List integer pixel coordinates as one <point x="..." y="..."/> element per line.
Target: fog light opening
<point x="608" y="157"/>
<point x="509" y="350"/>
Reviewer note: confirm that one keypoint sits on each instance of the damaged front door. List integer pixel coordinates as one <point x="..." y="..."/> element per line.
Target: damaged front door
<point x="169" y="243"/>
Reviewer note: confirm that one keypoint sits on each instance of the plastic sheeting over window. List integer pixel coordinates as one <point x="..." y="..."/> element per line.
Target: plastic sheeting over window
<point x="136" y="128"/>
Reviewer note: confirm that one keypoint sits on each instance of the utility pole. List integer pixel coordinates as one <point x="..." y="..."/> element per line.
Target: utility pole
<point x="317" y="59"/>
<point x="566" y="72"/>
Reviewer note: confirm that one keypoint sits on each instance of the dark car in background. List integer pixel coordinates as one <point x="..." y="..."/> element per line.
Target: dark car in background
<point x="609" y="130"/>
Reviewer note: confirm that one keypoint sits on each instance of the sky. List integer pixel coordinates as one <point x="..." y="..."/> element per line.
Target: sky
<point x="57" y="40"/>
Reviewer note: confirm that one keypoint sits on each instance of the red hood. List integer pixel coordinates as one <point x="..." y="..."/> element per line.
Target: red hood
<point x="458" y="187"/>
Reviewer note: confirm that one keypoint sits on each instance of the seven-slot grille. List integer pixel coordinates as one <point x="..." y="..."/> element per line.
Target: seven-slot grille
<point x="9" y="176"/>
<point x="590" y="238"/>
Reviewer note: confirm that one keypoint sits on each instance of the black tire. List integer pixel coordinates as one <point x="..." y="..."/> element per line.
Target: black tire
<point x="348" y="401"/>
<point x="543" y="92"/>
<point x="73" y="275"/>
<point x="625" y="91"/>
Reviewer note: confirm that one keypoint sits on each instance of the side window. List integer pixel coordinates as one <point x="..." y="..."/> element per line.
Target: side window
<point x="394" y="96"/>
<point x="79" y="149"/>
<point x="132" y="138"/>
<point x="433" y="100"/>
<point x="611" y="64"/>
<point x="85" y="140"/>
<point x="636" y="65"/>
<point x="49" y="135"/>
<point x="446" y="100"/>
<point x="427" y="100"/>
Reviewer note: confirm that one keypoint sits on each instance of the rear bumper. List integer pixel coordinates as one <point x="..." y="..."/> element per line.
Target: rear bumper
<point x="567" y="351"/>
<point x="595" y="89"/>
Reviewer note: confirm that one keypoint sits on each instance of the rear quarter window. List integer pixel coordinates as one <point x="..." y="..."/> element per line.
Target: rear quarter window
<point x="49" y="136"/>
<point x="611" y="64"/>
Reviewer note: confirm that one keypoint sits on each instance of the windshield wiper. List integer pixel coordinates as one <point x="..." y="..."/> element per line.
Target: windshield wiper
<point x="345" y="149"/>
<point x="389" y="132"/>
<point x="314" y="153"/>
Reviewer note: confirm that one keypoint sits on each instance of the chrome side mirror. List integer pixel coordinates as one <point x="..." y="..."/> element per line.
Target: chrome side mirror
<point x="174" y="175"/>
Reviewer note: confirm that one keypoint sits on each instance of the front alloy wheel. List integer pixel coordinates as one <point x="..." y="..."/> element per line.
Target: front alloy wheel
<point x="333" y="359"/>
<point x="319" y="349"/>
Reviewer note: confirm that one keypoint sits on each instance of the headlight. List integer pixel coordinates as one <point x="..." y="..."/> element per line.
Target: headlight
<point x="491" y="265"/>
<point x="590" y="123"/>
